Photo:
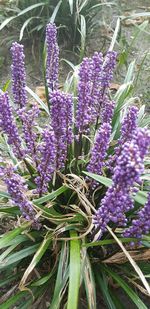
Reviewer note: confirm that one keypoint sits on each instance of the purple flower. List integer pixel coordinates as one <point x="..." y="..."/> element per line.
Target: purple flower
<point x="141" y="224"/>
<point x="107" y="110"/>
<point x="46" y="166"/>
<point x="128" y="131"/>
<point x="108" y="68"/>
<point x="18" y="75"/>
<point x="117" y="201"/>
<point x="97" y="62"/>
<point x="84" y="107"/>
<point x="52" y="61"/>
<point x="129" y="125"/>
<point x="8" y="125"/>
<point x="28" y="124"/>
<point x="61" y="121"/>
<point x="17" y="189"/>
<point x="99" y="150"/>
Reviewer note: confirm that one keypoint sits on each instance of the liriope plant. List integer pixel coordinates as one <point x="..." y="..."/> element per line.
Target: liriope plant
<point x="75" y="191"/>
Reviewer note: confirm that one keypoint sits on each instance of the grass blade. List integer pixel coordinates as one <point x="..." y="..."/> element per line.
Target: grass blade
<point x="5" y="240"/>
<point x="37" y="257"/>
<point x="115" y="35"/>
<point x="74" y="272"/>
<point x="133" y="296"/>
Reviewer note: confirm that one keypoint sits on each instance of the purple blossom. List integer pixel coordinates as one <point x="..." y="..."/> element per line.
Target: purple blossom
<point x="117" y="201"/>
<point x="99" y="150"/>
<point x="129" y="125"/>
<point x="17" y="189"/>
<point x="84" y="107"/>
<point x="46" y="166"/>
<point x="8" y="125"/>
<point x="141" y="224"/>
<point x="52" y="61"/>
<point x="61" y="121"/>
<point x="128" y="131"/>
<point x="97" y="62"/>
<point x="107" y="110"/>
<point x="108" y="68"/>
<point x="18" y="75"/>
<point x="28" y="124"/>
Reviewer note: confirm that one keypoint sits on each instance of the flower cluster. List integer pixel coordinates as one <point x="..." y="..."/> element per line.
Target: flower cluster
<point x="28" y="123"/>
<point x="107" y="110"/>
<point x="84" y="107"/>
<point x="99" y="150"/>
<point x="141" y="224"/>
<point x="117" y="201"/>
<point x="17" y="189"/>
<point x="95" y="75"/>
<point x="61" y="122"/>
<point x="52" y="61"/>
<point x="8" y="125"/>
<point x="47" y="157"/>
<point x="18" y="75"/>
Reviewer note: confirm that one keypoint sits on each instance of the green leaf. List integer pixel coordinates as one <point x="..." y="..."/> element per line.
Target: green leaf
<point x="4" y="194"/>
<point x="5" y="87"/>
<point x="115" y="35"/>
<point x="71" y="6"/>
<point x="133" y="296"/>
<point x="37" y="257"/>
<point x="62" y="277"/>
<point x="103" y="284"/>
<point x="106" y="242"/>
<point x="50" y="196"/>
<point x="6" y="238"/>
<point x="83" y="35"/>
<point x="89" y="283"/>
<point x="74" y="272"/>
<point x="12" y="300"/>
<point x="104" y="180"/>
<point x="52" y="19"/>
<point x="25" y="24"/>
<point x="29" y="8"/>
<point x="18" y="256"/>
<point x="35" y="96"/>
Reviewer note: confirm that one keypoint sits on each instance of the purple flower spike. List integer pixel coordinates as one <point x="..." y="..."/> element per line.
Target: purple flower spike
<point x="117" y="201"/>
<point x="107" y="110"/>
<point x="17" y="189"/>
<point x="61" y="121"/>
<point x="18" y="75"/>
<point x="28" y="123"/>
<point x="99" y="150"/>
<point x="107" y="69"/>
<point x="46" y="167"/>
<point x="140" y="225"/>
<point x="128" y="131"/>
<point x="8" y="125"/>
<point x="52" y="61"/>
<point x="84" y="107"/>
<point x="129" y="125"/>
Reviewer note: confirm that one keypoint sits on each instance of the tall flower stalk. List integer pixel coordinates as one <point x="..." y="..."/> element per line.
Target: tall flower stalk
<point x="8" y="125"/>
<point x="61" y="122"/>
<point x="18" y="75"/>
<point x="129" y="167"/>
<point x="52" y="59"/>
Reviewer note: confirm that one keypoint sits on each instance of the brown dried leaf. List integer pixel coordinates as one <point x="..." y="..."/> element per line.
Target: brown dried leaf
<point x="114" y="86"/>
<point x="120" y="258"/>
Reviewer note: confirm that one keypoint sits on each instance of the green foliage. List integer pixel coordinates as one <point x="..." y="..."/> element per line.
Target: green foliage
<point x="75" y="19"/>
